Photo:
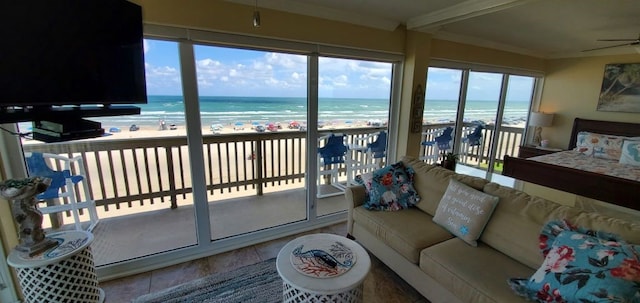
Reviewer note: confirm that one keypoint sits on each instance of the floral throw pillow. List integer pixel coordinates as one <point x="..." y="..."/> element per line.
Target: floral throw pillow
<point x="583" y="268"/>
<point x="389" y="188"/>
<point x="553" y="228"/>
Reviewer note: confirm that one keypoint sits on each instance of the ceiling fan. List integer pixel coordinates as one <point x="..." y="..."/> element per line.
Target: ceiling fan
<point x="628" y="42"/>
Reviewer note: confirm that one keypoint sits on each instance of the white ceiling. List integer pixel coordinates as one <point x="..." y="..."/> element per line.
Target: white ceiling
<point x="542" y="28"/>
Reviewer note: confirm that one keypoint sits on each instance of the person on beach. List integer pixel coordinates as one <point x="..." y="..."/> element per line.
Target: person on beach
<point x="163" y="125"/>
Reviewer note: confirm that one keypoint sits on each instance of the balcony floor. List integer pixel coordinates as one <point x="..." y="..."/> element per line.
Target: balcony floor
<point x="137" y="231"/>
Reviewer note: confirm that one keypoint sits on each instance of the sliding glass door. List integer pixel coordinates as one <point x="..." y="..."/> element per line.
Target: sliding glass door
<point x="487" y="110"/>
<point x="354" y="99"/>
<point x="253" y="112"/>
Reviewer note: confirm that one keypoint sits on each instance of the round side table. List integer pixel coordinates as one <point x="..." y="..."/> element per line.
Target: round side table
<point x="65" y="273"/>
<point x="300" y="287"/>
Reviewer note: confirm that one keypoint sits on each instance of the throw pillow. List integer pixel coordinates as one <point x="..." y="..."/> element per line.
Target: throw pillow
<point x="553" y="228"/>
<point x="464" y="211"/>
<point x="584" y="143"/>
<point x="390" y="188"/>
<point x="584" y="268"/>
<point x="599" y="145"/>
<point x="630" y="153"/>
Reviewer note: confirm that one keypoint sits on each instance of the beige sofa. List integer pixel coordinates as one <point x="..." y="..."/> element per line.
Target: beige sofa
<point x="442" y="267"/>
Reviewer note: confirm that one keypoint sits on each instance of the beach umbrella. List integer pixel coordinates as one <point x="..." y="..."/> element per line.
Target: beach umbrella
<point x="272" y="127"/>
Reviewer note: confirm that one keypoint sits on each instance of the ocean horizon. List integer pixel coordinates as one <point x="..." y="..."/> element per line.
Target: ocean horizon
<point x="229" y="110"/>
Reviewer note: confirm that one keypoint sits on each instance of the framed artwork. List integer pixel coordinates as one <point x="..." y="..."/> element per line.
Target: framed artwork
<point x="620" y="90"/>
<point x="417" y="108"/>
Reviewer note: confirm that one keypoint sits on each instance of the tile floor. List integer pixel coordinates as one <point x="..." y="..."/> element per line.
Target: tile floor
<point x="381" y="285"/>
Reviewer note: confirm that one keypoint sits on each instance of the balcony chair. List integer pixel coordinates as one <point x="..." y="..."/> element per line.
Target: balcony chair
<point x="331" y="157"/>
<point x="473" y="145"/>
<point x="441" y="143"/>
<point x="368" y="156"/>
<point x="63" y="186"/>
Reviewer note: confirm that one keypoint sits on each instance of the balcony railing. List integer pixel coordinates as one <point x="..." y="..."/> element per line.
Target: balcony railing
<point x="124" y="172"/>
<point x="142" y="171"/>
<point x="508" y="142"/>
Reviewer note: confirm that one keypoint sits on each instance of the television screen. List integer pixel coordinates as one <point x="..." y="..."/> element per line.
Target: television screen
<point x="71" y="52"/>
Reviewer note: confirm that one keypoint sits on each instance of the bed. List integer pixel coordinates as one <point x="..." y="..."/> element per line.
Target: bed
<point x="603" y="187"/>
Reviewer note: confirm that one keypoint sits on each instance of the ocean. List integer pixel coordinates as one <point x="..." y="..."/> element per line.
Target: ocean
<point x="229" y="110"/>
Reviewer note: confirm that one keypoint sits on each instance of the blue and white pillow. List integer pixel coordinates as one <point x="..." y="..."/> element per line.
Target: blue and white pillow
<point x="630" y="153"/>
<point x="584" y="268"/>
<point x="390" y="188"/>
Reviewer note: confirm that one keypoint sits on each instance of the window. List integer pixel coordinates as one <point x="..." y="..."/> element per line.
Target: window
<point x="487" y="109"/>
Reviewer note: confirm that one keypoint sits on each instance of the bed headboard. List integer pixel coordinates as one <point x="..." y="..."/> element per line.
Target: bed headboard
<point x="603" y="127"/>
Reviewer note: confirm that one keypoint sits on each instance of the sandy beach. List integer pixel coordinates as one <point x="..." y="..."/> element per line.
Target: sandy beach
<point x="147" y="131"/>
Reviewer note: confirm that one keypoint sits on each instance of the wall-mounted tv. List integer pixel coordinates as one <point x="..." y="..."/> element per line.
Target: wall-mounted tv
<point x="71" y="52"/>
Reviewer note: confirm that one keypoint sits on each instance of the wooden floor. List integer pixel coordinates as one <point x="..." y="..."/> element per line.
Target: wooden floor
<point x="381" y="284"/>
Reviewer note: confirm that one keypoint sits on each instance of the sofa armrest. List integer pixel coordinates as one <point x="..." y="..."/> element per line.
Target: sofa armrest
<point x="355" y="196"/>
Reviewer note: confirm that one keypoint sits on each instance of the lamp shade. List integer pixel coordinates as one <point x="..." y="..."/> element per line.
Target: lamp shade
<point x="540" y="119"/>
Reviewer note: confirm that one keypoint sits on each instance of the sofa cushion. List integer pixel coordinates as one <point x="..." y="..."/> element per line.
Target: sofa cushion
<point x="407" y="231"/>
<point x="431" y="182"/>
<point x="474" y="274"/>
<point x="584" y="268"/>
<point x="516" y="223"/>
<point x="464" y="211"/>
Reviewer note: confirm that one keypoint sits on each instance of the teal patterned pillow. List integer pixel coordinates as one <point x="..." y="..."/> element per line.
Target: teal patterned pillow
<point x="553" y="228"/>
<point x="630" y="153"/>
<point x="584" y="268"/>
<point x="390" y="188"/>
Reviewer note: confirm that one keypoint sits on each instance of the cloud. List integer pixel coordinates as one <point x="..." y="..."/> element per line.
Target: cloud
<point x="236" y="72"/>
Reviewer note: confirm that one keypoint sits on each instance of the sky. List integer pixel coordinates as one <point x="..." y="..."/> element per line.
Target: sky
<point x="236" y="72"/>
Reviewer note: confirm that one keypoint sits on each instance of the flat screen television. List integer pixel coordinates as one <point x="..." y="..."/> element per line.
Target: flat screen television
<point x="71" y="52"/>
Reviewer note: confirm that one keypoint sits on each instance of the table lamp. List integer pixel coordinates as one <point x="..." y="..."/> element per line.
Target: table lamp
<point x="539" y="120"/>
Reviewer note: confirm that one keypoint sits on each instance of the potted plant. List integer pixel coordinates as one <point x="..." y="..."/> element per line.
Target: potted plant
<point x="449" y="160"/>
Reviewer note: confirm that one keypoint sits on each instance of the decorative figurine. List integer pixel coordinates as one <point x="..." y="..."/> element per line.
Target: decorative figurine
<point x="23" y="194"/>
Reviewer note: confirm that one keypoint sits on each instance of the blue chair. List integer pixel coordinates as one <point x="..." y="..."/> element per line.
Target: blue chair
<point x="378" y="148"/>
<point x="63" y="186"/>
<point x="331" y="157"/>
<point x="440" y="143"/>
<point x="473" y="141"/>
<point x="368" y="156"/>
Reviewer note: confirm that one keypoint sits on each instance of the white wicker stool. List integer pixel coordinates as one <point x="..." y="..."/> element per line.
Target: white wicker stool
<point x="65" y="273"/>
<point x="345" y="287"/>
